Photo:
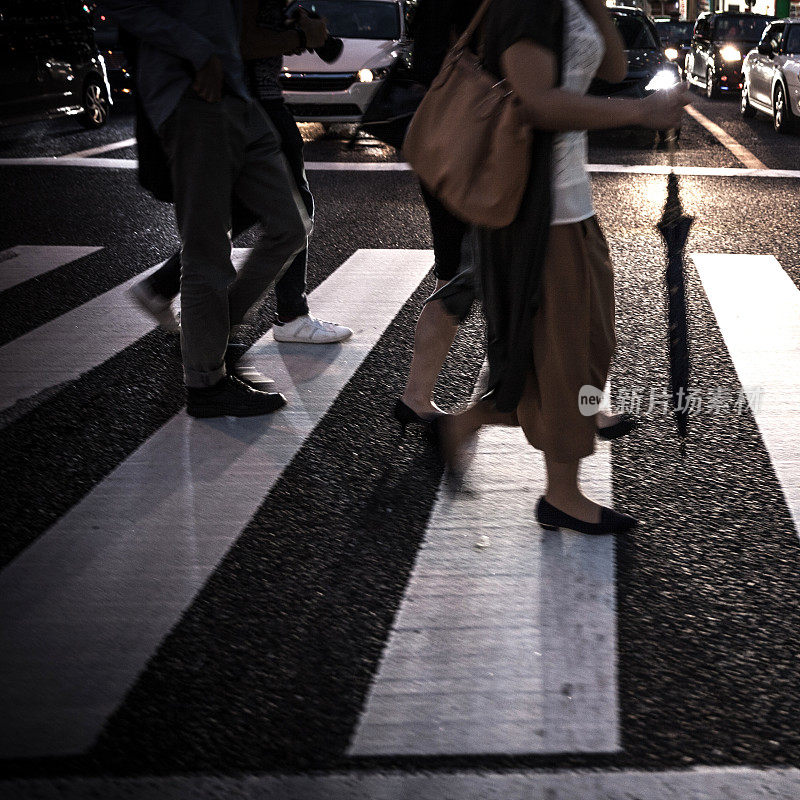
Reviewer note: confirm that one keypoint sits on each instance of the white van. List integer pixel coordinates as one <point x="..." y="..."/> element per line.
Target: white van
<point x="374" y="36"/>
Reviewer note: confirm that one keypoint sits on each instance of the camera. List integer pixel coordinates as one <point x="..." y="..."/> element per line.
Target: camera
<point x="333" y="46"/>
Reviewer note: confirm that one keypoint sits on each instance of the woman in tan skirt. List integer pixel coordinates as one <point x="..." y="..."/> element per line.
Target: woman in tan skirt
<point x="547" y="280"/>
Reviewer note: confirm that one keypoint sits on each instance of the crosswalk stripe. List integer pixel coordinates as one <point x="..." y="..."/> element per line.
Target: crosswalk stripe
<point x="66" y="347"/>
<point x="104" y="148"/>
<point x="726" y="140"/>
<point x="757" y="307"/>
<point x="505" y="641"/>
<point x="89" y="602"/>
<point x="398" y="166"/>
<point x="699" y="783"/>
<point x="23" y="262"/>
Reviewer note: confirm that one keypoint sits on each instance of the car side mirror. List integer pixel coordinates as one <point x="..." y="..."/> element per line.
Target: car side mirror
<point x="765" y="49"/>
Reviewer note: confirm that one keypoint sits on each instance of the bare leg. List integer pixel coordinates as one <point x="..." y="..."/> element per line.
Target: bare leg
<point x="455" y="430"/>
<point x="605" y="419"/>
<point x="432" y="341"/>
<point x="564" y="492"/>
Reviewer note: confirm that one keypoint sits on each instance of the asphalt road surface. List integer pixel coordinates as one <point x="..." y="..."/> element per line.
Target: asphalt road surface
<point x="297" y="607"/>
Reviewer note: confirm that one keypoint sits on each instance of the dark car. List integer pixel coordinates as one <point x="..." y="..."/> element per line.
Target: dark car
<point x="648" y="67"/>
<point x="110" y="43"/>
<point x="49" y="63"/>
<point x="676" y="39"/>
<point x="719" y="43"/>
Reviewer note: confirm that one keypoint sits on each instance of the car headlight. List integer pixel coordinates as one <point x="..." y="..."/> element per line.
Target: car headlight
<point x="375" y="74"/>
<point x="671" y="53"/>
<point x="730" y="53"/>
<point x="663" y="79"/>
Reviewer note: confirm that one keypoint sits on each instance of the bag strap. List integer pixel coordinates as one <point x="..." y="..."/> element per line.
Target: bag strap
<point x="473" y="26"/>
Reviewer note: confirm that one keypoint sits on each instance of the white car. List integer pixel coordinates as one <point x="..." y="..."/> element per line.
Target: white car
<point x="374" y="36"/>
<point x="771" y="75"/>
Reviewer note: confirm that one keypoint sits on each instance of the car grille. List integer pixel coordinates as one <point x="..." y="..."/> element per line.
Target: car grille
<point x="317" y="83"/>
<point x="324" y="110"/>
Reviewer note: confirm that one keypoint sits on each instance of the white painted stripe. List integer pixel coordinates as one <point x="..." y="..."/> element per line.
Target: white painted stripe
<point x="359" y="166"/>
<point x="700" y="783"/>
<point x="69" y="161"/>
<point x="106" y="148"/>
<point x="66" y="347"/>
<point x="23" y="262"/>
<point x="505" y="641"/>
<point x="86" y="605"/>
<point x="384" y="166"/>
<point x="726" y="140"/>
<point x="757" y="307"/>
<point x="714" y="172"/>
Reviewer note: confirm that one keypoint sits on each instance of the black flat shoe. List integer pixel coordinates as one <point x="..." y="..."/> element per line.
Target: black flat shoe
<point x="551" y="519"/>
<point x="406" y="415"/>
<point x="625" y="424"/>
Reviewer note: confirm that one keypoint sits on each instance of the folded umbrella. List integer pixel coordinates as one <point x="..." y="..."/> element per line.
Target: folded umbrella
<point x="674" y="227"/>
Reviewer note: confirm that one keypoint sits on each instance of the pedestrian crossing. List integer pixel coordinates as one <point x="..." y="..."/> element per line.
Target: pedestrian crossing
<point x="65" y="348"/>
<point x="758" y="310"/>
<point x="725" y="783"/>
<point x="114" y="574"/>
<point x="19" y="264"/>
<point x="505" y="641"/>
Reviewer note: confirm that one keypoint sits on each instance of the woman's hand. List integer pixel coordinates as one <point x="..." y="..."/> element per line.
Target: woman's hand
<point x="664" y="109"/>
<point x="208" y="80"/>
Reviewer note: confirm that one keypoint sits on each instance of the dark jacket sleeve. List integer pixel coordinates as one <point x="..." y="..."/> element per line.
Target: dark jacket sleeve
<point x="146" y="20"/>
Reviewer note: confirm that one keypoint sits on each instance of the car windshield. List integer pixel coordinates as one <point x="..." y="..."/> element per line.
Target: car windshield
<point x="793" y="39"/>
<point x="739" y="29"/>
<point x="357" y="20"/>
<point x="670" y="31"/>
<point x="635" y="34"/>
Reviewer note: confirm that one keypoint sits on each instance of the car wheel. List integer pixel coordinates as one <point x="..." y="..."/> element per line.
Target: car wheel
<point x="746" y="109"/>
<point x="95" y="104"/>
<point x="781" y="114"/>
<point x="712" y="92"/>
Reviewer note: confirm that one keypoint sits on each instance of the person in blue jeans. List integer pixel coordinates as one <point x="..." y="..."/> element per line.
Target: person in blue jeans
<point x="266" y="38"/>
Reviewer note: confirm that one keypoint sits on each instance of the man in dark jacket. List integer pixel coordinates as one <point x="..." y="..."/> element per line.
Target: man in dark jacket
<point x="220" y="144"/>
<point x="266" y="37"/>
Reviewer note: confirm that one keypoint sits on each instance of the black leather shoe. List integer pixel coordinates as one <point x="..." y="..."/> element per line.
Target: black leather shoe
<point x="623" y="426"/>
<point x="551" y="519"/>
<point x="406" y="415"/>
<point x="238" y="363"/>
<point x="231" y="398"/>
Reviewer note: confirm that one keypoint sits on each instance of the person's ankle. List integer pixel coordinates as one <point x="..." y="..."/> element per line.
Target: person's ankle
<point x="563" y="497"/>
<point x="285" y="319"/>
<point x="206" y="390"/>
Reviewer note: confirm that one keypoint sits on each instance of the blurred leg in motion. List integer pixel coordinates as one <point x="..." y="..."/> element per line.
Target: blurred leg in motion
<point x="436" y="329"/>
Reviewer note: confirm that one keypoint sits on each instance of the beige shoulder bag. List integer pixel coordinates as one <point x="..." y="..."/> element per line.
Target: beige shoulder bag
<point x="468" y="141"/>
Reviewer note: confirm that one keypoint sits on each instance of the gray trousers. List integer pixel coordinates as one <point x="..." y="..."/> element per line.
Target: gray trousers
<point x="218" y="151"/>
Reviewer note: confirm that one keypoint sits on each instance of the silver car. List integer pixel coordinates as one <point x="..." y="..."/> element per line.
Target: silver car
<point x="374" y="36"/>
<point x="771" y="75"/>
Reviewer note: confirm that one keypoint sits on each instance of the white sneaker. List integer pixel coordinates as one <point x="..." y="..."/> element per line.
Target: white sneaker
<point x="155" y="305"/>
<point x="310" y="330"/>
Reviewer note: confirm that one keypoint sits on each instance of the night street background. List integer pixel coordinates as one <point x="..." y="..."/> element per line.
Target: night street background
<point x="265" y="667"/>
